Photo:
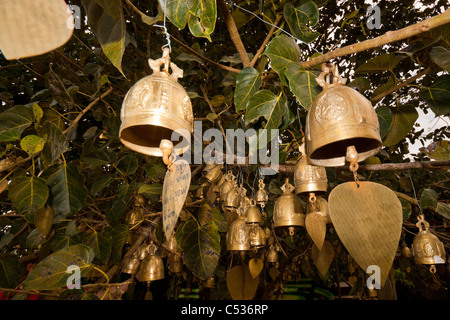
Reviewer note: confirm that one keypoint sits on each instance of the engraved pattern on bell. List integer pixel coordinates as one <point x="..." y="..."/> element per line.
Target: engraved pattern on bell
<point x="426" y="247"/>
<point x="153" y="108"/>
<point x="309" y="178"/>
<point x="238" y="234"/>
<point x="331" y="107"/>
<point x="288" y="210"/>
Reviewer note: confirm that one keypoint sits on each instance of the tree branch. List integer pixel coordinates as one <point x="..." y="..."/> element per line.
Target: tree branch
<point x="400" y="85"/>
<point x="263" y="45"/>
<point x="388" y="37"/>
<point x="234" y="34"/>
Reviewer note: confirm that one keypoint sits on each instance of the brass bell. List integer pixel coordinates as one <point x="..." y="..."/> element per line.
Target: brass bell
<point x="272" y="255"/>
<point x="320" y="206"/>
<point x="253" y="215"/>
<point x="227" y="185"/>
<point x="233" y="198"/>
<point x="215" y="187"/>
<point x="238" y="235"/>
<point x="213" y="172"/>
<point x="131" y="265"/>
<point x="288" y="209"/>
<point x="426" y="247"/>
<point x="257" y="236"/>
<point x="309" y="178"/>
<point x="152" y="267"/>
<point x="155" y="107"/>
<point x="340" y="117"/>
<point x="261" y="196"/>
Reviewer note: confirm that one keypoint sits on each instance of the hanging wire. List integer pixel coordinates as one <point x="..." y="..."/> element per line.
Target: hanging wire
<point x="414" y="190"/>
<point x="165" y="28"/>
<point x="271" y="24"/>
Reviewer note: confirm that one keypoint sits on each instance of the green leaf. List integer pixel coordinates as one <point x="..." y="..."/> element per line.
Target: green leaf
<point x="107" y="21"/>
<point x="119" y="203"/>
<point x="14" y="121"/>
<point x="282" y="50"/>
<point x="37" y="112"/>
<point x="56" y="143"/>
<point x="437" y="96"/>
<point x="384" y="119"/>
<point x="266" y="104"/>
<point x="9" y="271"/>
<point x="177" y="11"/>
<point x="383" y="62"/>
<point x="150" y="189"/>
<point x="100" y="157"/>
<point x="68" y="194"/>
<point x="51" y="273"/>
<point x="403" y="119"/>
<point x="202" y="20"/>
<point x="100" y="183"/>
<point x="128" y="164"/>
<point x="32" y="144"/>
<point x="441" y="56"/>
<point x="219" y="220"/>
<point x="302" y="83"/>
<point x="200" y="247"/>
<point x="429" y="199"/>
<point x="300" y="20"/>
<point x="101" y="244"/>
<point x="406" y="209"/>
<point x="248" y="83"/>
<point x="360" y="83"/>
<point x="28" y="193"/>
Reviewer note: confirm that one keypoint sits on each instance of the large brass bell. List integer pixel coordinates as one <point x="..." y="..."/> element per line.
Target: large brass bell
<point x="154" y="108"/>
<point x="288" y="209"/>
<point x="309" y="178"/>
<point x="152" y="266"/>
<point x="426" y="247"/>
<point x="340" y="117"/>
<point x="238" y="235"/>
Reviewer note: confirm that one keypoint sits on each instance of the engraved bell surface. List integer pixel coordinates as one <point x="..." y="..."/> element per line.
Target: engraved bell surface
<point x="238" y="235"/>
<point x="155" y="107"/>
<point x="426" y="247"/>
<point x="288" y="210"/>
<point x="309" y="178"/>
<point x="340" y="117"/>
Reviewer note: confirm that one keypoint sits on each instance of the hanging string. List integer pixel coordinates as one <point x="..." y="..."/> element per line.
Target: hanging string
<point x="165" y="28"/>
<point x="414" y="191"/>
<point x="271" y="24"/>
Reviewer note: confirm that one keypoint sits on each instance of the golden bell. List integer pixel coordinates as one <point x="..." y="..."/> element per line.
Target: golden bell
<point x="253" y="215"/>
<point x="238" y="235"/>
<point x="226" y="186"/>
<point x="288" y="209"/>
<point x="272" y="255"/>
<point x="175" y="266"/>
<point x="309" y="178"/>
<point x="155" y="107"/>
<point x="213" y="172"/>
<point x="257" y="236"/>
<point x="233" y="198"/>
<point x="152" y="267"/>
<point x="261" y="196"/>
<point x="426" y="247"/>
<point x="131" y="265"/>
<point x="338" y="118"/>
<point x="320" y="206"/>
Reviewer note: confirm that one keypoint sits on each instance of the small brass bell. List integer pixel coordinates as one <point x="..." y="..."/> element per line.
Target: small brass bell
<point x="426" y="247"/>
<point x="272" y="255"/>
<point x="257" y="236"/>
<point x="405" y="251"/>
<point x="233" y="198"/>
<point x="227" y="185"/>
<point x="288" y="209"/>
<point x="137" y="214"/>
<point x="131" y="265"/>
<point x="253" y="215"/>
<point x="261" y="196"/>
<point x="213" y="172"/>
<point x="238" y="235"/>
<point x="309" y="178"/>
<point x="154" y="108"/>
<point x="152" y="266"/>
<point x="320" y="206"/>
<point x="338" y="118"/>
<point x="215" y="187"/>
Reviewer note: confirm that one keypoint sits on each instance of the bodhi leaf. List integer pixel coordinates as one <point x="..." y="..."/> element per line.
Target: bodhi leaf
<point x="247" y="83"/>
<point x="300" y="20"/>
<point x="14" y="121"/>
<point x="32" y="144"/>
<point x="403" y="119"/>
<point x="202" y="20"/>
<point x="127" y="165"/>
<point x="383" y="62"/>
<point x="68" y="194"/>
<point x="106" y="19"/>
<point x="28" y="193"/>
<point x="9" y="271"/>
<point x="266" y="104"/>
<point x="56" y="143"/>
<point x="437" y="96"/>
<point x="441" y="56"/>
<point x="282" y="50"/>
<point x="51" y="273"/>
<point x="302" y="83"/>
<point x="177" y="11"/>
<point x="384" y="119"/>
<point x="429" y="200"/>
<point x="200" y="247"/>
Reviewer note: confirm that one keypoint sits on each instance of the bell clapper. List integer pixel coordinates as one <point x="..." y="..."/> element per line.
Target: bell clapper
<point x="312" y="200"/>
<point x="166" y="147"/>
<point x="352" y="157"/>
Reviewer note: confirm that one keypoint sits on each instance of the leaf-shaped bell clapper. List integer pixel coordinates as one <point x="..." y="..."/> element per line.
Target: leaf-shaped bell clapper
<point x="288" y="210"/>
<point x="238" y="235"/>
<point x="155" y="108"/>
<point x="426" y="247"/>
<point x="152" y="267"/>
<point x="340" y="117"/>
<point x="309" y="178"/>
